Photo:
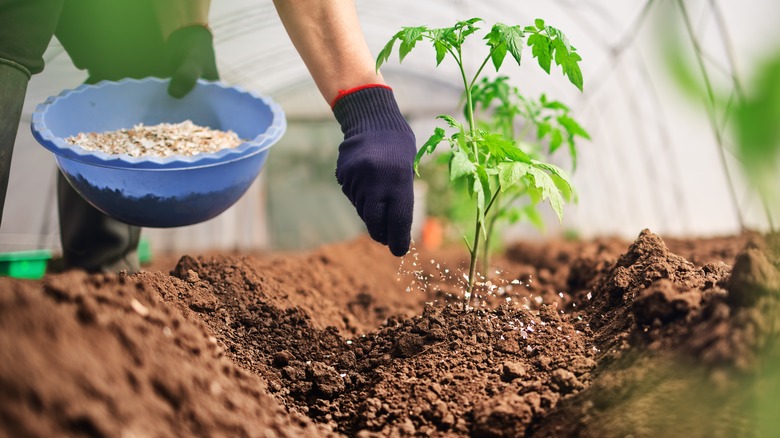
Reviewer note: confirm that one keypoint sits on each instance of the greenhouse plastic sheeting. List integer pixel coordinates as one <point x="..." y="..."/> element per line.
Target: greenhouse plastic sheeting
<point x="653" y="160"/>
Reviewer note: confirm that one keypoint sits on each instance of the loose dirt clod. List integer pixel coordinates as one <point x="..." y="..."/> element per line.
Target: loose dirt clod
<point x="163" y="140"/>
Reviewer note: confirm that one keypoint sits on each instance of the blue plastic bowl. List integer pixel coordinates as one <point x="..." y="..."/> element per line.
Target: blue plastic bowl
<point x="152" y="191"/>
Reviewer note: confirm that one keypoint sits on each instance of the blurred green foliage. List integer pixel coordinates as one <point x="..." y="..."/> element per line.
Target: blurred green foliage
<point x="749" y="115"/>
<point x="752" y="116"/>
<point x="757" y="125"/>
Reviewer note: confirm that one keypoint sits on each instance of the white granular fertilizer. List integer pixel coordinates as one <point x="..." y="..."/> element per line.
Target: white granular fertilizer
<point x="163" y="140"/>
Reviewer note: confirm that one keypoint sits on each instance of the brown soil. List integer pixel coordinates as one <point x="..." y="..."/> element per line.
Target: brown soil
<point x="596" y="338"/>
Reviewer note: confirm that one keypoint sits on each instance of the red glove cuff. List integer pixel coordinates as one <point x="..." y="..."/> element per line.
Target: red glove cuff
<point x="343" y="93"/>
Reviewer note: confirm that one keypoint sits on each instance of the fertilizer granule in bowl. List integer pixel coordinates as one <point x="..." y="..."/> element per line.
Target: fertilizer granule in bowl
<point x="163" y="140"/>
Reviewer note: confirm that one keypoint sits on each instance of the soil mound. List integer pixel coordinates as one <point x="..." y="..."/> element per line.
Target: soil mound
<point x="103" y="356"/>
<point x="574" y="339"/>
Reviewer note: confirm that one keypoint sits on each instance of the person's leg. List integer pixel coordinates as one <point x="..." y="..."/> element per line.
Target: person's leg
<point x="26" y="27"/>
<point x="91" y="240"/>
<point x="13" y="85"/>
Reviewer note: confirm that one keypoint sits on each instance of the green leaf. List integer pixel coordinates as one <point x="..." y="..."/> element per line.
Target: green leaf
<point x="555" y="105"/>
<point x="460" y="139"/>
<point x="441" y="51"/>
<point x="511" y="173"/>
<point x="572" y="153"/>
<point x="553" y="169"/>
<point x="484" y="178"/>
<point x="513" y="215"/>
<point x="503" y="38"/>
<point x="443" y="40"/>
<point x="446" y="35"/>
<point x="558" y="35"/>
<point x="470" y="183"/>
<point x="534" y="193"/>
<point x="573" y="130"/>
<point x="429" y="147"/>
<point x="542" y="181"/>
<point x="502" y="148"/>
<point x="476" y="190"/>
<point x="498" y="54"/>
<point x="556" y="140"/>
<point x="564" y="186"/>
<point x="384" y="54"/>
<point x="572" y="70"/>
<point x="470" y="22"/>
<point x="484" y="92"/>
<point x="450" y="121"/>
<point x="514" y="42"/>
<point x="542" y="128"/>
<point x="497" y="46"/>
<point x="561" y="52"/>
<point x="560" y="188"/>
<point x="568" y="59"/>
<point x="460" y="165"/>
<point x="444" y="157"/>
<point x="409" y="38"/>
<point x="534" y="217"/>
<point x="553" y="44"/>
<point x="541" y="49"/>
<point x="572" y="127"/>
<point x="463" y="29"/>
<point x="539" y="23"/>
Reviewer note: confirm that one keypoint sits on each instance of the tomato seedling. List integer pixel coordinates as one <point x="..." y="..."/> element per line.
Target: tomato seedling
<point x="501" y="107"/>
<point x="490" y="162"/>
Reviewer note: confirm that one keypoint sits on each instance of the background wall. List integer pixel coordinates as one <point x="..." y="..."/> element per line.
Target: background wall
<point x="653" y="161"/>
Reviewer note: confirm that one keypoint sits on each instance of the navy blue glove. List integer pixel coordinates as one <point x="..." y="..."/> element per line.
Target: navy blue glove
<point x="190" y="55"/>
<point x="375" y="164"/>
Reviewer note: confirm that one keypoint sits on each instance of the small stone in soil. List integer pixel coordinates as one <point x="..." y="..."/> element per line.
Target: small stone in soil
<point x="512" y="370"/>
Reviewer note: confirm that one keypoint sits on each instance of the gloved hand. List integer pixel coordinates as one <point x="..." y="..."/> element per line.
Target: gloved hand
<point x="190" y="56"/>
<point x="375" y="163"/>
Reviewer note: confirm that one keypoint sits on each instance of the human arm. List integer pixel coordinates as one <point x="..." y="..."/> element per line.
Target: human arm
<point x="375" y="162"/>
<point x="327" y="35"/>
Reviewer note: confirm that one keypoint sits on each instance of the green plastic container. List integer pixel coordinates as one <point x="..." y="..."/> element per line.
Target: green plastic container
<point x="144" y="251"/>
<point x="29" y="265"/>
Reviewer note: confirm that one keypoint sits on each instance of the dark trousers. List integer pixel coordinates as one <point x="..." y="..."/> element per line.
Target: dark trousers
<point x="90" y="239"/>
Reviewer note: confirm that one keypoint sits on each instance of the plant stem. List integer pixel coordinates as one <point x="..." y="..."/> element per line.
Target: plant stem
<point x="711" y="112"/>
<point x="472" y="133"/>
<point x="473" y="263"/>
<point x="475" y="251"/>
<point x="478" y="225"/>
<point x="489" y="238"/>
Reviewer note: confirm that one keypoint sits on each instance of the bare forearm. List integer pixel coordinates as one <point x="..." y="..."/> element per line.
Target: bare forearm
<point x="175" y="14"/>
<point x="327" y="35"/>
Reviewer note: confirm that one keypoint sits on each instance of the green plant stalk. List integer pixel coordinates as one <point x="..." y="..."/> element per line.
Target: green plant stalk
<point x="472" y="131"/>
<point x="474" y="255"/>
<point x="473" y="263"/>
<point x="486" y="250"/>
<point x="488" y="243"/>
<point x="475" y="251"/>
<point x="711" y="112"/>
